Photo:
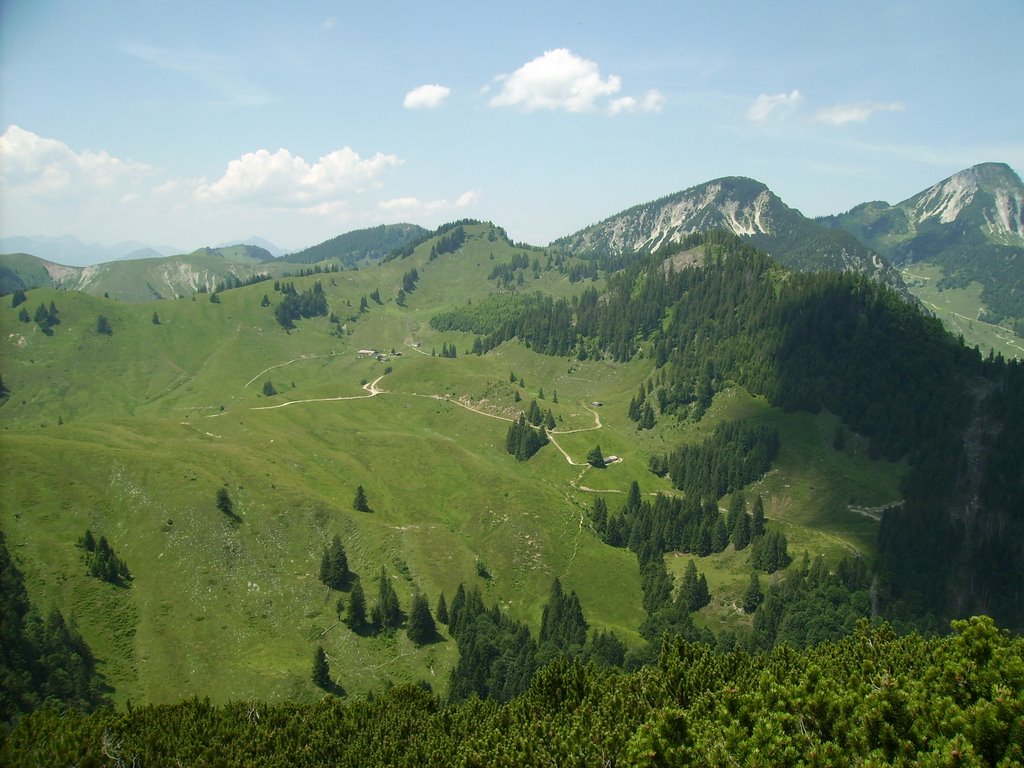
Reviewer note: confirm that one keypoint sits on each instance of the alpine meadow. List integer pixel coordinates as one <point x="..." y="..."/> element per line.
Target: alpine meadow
<point x="597" y="385"/>
<point x="314" y="480"/>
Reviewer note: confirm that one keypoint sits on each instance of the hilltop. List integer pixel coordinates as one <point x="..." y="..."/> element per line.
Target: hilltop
<point x="742" y="206"/>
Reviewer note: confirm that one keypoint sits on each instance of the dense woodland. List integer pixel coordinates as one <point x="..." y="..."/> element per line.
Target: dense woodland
<point x="873" y="698"/>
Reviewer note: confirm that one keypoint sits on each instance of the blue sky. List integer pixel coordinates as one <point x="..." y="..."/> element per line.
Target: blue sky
<point x="188" y="124"/>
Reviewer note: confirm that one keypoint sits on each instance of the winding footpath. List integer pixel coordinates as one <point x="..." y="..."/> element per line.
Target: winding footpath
<point x="371" y="388"/>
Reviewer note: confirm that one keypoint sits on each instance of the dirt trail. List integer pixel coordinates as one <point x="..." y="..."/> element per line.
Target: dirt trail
<point x="298" y="359"/>
<point x="371" y="388"/>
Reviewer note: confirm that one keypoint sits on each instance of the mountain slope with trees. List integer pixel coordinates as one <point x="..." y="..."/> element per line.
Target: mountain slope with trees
<point x="359" y="246"/>
<point x="742" y="206"/>
<point x="970" y="224"/>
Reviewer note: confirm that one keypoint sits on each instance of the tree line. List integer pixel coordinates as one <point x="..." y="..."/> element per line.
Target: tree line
<point x="873" y="698"/>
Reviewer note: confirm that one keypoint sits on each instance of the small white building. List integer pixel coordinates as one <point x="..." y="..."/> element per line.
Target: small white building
<point x="367" y="353"/>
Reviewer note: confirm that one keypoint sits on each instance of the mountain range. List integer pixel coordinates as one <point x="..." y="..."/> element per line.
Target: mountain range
<point x="176" y="472"/>
<point x="971" y="225"/>
<point x="742" y="206"/>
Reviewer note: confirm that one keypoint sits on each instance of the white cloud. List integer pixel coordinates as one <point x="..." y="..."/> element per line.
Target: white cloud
<point x="764" y="106"/>
<point x="282" y="179"/>
<point x="426" y="97"/>
<point x="413" y="206"/>
<point x="329" y="23"/>
<point x="652" y="102"/>
<point x="841" y="114"/>
<point x="31" y="165"/>
<point x="558" y="79"/>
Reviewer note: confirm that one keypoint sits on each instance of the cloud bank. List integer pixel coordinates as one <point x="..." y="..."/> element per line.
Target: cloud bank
<point x="282" y="179"/>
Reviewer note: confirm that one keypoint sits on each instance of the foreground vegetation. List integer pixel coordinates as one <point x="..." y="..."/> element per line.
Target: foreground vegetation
<point x="871" y="699"/>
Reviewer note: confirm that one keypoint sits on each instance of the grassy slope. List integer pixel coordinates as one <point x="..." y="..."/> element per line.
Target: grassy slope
<point x="158" y="417"/>
<point x="958" y="308"/>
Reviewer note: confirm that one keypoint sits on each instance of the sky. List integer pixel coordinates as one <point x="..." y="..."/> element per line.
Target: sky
<point x="188" y="123"/>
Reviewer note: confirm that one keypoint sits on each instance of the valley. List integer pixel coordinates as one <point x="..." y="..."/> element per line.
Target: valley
<point x="131" y="435"/>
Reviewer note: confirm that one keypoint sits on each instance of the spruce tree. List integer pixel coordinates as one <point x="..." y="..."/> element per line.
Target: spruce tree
<point x="224" y="503"/>
<point x="420" y="627"/>
<point x="442" y="609"/>
<point x="334" y="565"/>
<point x="321" y="670"/>
<point x="360" y="504"/>
<point x="741" y="533"/>
<point x="753" y="596"/>
<point x="757" y="524"/>
<point x="356" y="618"/>
<point x="595" y="458"/>
<point x="387" y="614"/>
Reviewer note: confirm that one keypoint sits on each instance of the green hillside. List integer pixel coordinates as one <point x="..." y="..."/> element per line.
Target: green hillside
<point x="360" y="246"/>
<point x="22" y="271"/>
<point x="131" y="435"/>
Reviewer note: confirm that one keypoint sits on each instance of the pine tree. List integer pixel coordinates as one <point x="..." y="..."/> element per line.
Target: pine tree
<point x="741" y="533"/>
<point x="737" y="506"/>
<point x="647" y="417"/>
<point x="442" y="609"/>
<point x="334" y="565"/>
<point x="103" y="326"/>
<point x="360" y="504"/>
<point x="386" y="613"/>
<point x="268" y="389"/>
<point x="224" y="503"/>
<point x="420" y="627"/>
<point x="356" y="618"/>
<point x="688" y="589"/>
<point x="156" y="319"/>
<point x="753" y="596"/>
<point x="595" y="458"/>
<point x="757" y="525"/>
<point x="321" y="670"/>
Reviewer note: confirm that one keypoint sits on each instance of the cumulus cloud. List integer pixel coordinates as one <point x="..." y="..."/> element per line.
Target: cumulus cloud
<point x="413" y="206"/>
<point x="558" y="79"/>
<point x="282" y="179"/>
<point x="841" y="114"/>
<point x="426" y="97"/>
<point x="32" y="165"/>
<point x="765" y="106"/>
